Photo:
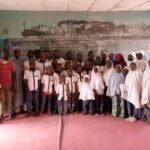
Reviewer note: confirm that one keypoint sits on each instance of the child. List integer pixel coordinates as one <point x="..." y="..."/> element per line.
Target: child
<point x="71" y="81"/>
<point x="106" y="75"/>
<point x="87" y="95"/>
<point x="47" y="89"/>
<point x="62" y="96"/>
<point x="145" y="101"/>
<point x="32" y="78"/>
<point x="113" y="91"/>
<point x="133" y="91"/>
<point x="97" y="85"/>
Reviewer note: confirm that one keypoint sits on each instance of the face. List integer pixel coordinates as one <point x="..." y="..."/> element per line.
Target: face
<point x="79" y="69"/>
<point x="125" y="71"/>
<point x="86" y="79"/>
<point x="30" y="54"/>
<point x="130" y="57"/>
<point x="103" y="56"/>
<point x="32" y="65"/>
<point x="17" y="53"/>
<point x="37" y="53"/>
<point x="69" y="73"/>
<point x="69" y="55"/>
<point x="6" y="54"/>
<point x="139" y="56"/>
<point x="49" y="70"/>
<point x="56" y="54"/>
<point x="62" y="78"/>
<point x="133" y="66"/>
<point x="58" y="68"/>
<point x="79" y="57"/>
<point x="68" y="65"/>
<point x="111" y="56"/>
<point x="43" y="56"/>
<point x="98" y="60"/>
<point x="90" y="55"/>
<point x="118" y="69"/>
<point x="95" y="69"/>
<point x="108" y="64"/>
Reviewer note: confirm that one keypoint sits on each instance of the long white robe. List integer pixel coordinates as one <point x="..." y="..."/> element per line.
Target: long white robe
<point x="141" y="64"/>
<point x="96" y="82"/>
<point x="86" y="92"/>
<point x="146" y="87"/>
<point x="133" y="87"/>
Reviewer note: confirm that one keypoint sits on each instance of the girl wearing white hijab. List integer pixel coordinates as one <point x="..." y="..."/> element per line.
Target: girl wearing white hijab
<point x="145" y="101"/>
<point x="133" y="89"/>
<point x="109" y="68"/>
<point x="97" y="85"/>
<point x="87" y="95"/>
<point x="113" y="91"/>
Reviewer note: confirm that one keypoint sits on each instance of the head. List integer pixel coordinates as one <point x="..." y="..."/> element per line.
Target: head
<point x="98" y="60"/>
<point x="54" y="63"/>
<point x="48" y="54"/>
<point x="133" y="66"/>
<point x="58" y="68"/>
<point x="49" y="70"/>
<point x="103" y="55"/>
<point x="96" y="69"/>
<point x="17" y="53"/>
<point x="125" y="71"/>
<point x="30" y="54"/>
<point x="90" y="55"/>
<point x="69" y="73"/>
<point x="62" y="78"/>
<point x="43" y="56"/>
<point x="108" y="64"/>
<point x="111" y="56"/>
<point x="56" y="54"/>
<point x="130" y="57"/>
<point x="32" y="65"/>
<point x="5" y="53"/>
<point x="139" y="56"/>
<point x="79" y="57"/>
<point x="119" y="58"/>
<point x="69" y="55"/>
<point x="118" y="68"/>
<point x="79" y="68"/>
<point x="37" y="53"/>
<point x="86" y="79"/>
<point x="68" y="65"/>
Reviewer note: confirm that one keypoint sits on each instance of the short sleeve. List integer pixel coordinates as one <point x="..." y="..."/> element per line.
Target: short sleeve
<point x="26" y="75"/>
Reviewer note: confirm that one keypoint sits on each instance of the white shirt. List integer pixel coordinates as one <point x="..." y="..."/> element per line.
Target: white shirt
<point x="62" y="91"/>
<point x="71" y="81"/>
<point x="47" y="81"/>
<point x="32" y="77"/>
<point x="56" y="80"/>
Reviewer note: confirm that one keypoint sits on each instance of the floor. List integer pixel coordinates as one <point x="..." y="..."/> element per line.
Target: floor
<point x="73" y="132"/>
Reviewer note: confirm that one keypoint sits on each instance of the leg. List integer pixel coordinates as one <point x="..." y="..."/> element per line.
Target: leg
<point x="36" y="101"/>
<point x="29" y="101"/>
<point x="97" y="99"/>
<point x="43" y="103"/>
<point x="91" y="107"/>
<point x="148" y="114"/>
<point x="85" y="104"/>
<point x="65" y="106"/>
<point x="2" y="98"/>
<point x="49" y="99"/>
<point x="122" y="114"/>
<point x="101" y="105"/>
<point x="60" y="108"/>
<point x="114" y="105"/>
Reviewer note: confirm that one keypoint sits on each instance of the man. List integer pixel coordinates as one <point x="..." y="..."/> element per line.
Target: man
<point x="7" y="69"/>
<point x="18" y="82"/>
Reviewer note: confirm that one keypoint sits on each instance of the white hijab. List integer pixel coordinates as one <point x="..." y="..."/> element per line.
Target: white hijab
<point x="86" y="92"/>
<point x="96" y="82"/>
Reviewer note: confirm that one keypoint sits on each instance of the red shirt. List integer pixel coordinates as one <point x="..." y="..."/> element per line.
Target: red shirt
<point x="6" y="70"/>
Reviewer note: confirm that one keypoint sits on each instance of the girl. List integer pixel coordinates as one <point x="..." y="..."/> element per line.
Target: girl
<point x="97" y="85"/>
<point x="87" y="95"/>
<point x="133" y="91"/>
<point x="114" y="92"/>
<point x="47" y="89"/>
<point x="145" y="101"/>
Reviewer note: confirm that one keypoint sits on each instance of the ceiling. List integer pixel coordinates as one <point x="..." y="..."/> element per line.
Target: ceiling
<point x="75" y="5"/>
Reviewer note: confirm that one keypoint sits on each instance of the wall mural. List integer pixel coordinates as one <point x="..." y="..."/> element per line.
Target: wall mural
<point x="76" y="31"/>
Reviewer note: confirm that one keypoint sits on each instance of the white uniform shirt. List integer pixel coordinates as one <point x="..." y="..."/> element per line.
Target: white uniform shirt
<point x="47" y="81"/>
<point x="62" y="91"/>
<point x="71" y="81"/>
<point x="32" y="77"/>
<point x="56" y="80"/>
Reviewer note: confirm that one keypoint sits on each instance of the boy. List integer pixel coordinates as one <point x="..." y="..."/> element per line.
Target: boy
<point x="71" y="81"/>
<point x="47" y="89"/>
<point x="62" y="96"/>
<point x="32" y="78"/>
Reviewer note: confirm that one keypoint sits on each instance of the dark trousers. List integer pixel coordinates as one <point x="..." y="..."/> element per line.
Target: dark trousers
<point x="145" y="113"/>
<point x="54" y="104"/>
<point x="107" y="102"/>
<point x="78" y="103"/>
<point x="132" y="111"/>
<point x="99" y="104"/>
<point x="33" y="99"/>
<point x="45" y="98"/>
<point x="62" y="107"/>
<point x="71" y="102"/>
<point x="88" y="105"/>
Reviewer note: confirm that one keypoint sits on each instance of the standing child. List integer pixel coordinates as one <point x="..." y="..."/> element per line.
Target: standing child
<point x="32" y="78"/>
<point x="98" y="87"/>
<point x="47" y="89"/>
<point x="113" y="91"/>
<point x="145" y="101"/>
<point x="71" y="81"/>
<point x="62" y="96"/>
<point x="87" y="95"/>
<point x="133" y="89"/>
